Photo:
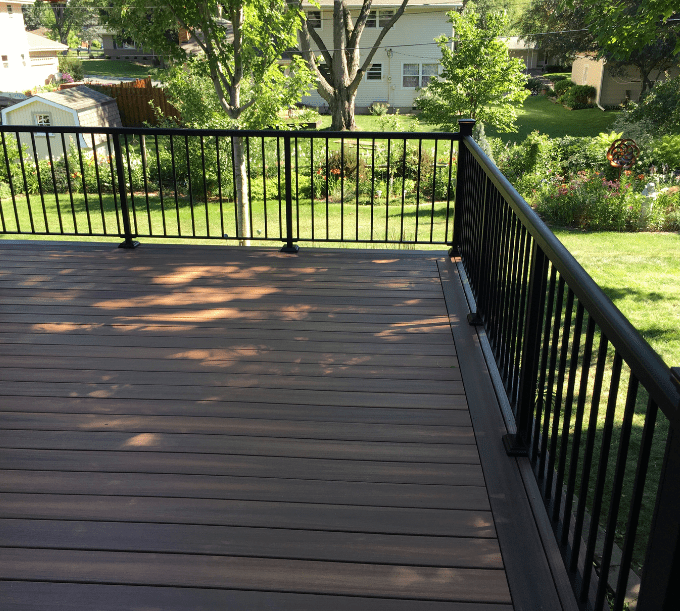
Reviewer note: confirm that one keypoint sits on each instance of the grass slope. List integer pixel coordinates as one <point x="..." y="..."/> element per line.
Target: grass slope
<point x="115" y="67"/>
<point x="539" y="113"/>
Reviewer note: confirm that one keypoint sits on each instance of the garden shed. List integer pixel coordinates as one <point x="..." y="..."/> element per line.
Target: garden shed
<point x="77" y="106"/>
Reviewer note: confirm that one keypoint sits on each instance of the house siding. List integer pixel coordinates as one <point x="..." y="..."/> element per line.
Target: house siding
<point x="13" y="44"/>
<point x="611" y="90"/>
<point x="417" y="27"/>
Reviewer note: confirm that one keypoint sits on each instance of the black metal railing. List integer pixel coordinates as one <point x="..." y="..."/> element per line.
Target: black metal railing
<point x="595" y="407"/>
<point x="306" y="186"/>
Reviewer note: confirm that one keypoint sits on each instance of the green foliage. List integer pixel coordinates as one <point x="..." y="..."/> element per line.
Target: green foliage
<point x="248" y="82"/>
<point x="578" y="96"/>
<point x="631" y="26"/>
<point x="555" y="77"/>
<point x="557" y="28"/>
<point x="660" y="108"/>
<point x="667" y="152"/>
<point x="479" y="80"/>
<point x="73" y="66"/>
<point x="562" y="86"/>
<point x="378" y="109"/>
<point x="534" y="85"/>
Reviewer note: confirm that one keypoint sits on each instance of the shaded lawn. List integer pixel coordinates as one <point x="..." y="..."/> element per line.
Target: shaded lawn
<point x="115" y="67"/>
<point x="539" y="113"/>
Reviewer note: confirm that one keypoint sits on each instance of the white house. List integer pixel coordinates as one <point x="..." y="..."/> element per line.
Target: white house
<point x="78" y="106"/>
<point x="408" y="55"/>
<point x="26" y="60"/>
<point x="528" y="52"/>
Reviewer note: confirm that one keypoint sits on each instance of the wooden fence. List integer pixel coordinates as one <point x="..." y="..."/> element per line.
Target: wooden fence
<point x="134" y="97"/>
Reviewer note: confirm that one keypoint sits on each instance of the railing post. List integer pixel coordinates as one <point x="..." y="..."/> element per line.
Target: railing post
<point x="518" y="444"/>
<point x="122" y="194"/>
<point x="465" y="129"/>
<point x="660" y="587"/>
<point x="289" y="247"/>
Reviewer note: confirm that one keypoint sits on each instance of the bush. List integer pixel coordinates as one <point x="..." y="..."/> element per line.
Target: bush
<point x="556" y="78"/>
<point x="552" y="68"/>
<point x="660" y="108"/>
<point x="534" y="85"/>
<point x="666" y="152"/>
<point x="73" y="66"/>
<point x="578" y="96"/>
<point x="562" y="86"/>
<point x="378" y="109"/>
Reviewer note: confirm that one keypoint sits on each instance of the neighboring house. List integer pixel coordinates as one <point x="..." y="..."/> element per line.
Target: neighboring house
<point x="78" y="106"/>
<point x="408" y="56"/>
<point x="613" y="87"/>
<point x="533" y="57"/>
<point x="26" y="60"/>
<point x="117" y="48"/>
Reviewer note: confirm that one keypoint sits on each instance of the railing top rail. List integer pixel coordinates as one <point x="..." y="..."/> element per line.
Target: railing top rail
<point x="268" y="133"/>
<point x="642" y="359"/>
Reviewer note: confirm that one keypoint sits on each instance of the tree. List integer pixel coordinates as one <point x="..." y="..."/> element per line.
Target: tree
<point x="241" y="60"/>
<point x="340" y="70"/>
<point x="638" y="33"/>
<point x="70" y="16"/>
<point x="479" y="80"/>
<point x="611" y="30"/>
<point x="631" y="25"/>
<point x="559" y="30"/>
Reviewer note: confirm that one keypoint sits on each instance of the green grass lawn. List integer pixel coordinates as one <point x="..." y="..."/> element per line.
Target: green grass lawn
<point x="639" y="272"/>
<point x="115" y="67"/>
<point x="539" y="113"/>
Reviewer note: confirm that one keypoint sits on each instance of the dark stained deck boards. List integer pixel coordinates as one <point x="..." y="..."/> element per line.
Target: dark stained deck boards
<point x="218" y="428"/>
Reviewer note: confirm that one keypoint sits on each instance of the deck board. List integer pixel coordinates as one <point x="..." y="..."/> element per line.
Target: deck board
<point x="211" y="428"/>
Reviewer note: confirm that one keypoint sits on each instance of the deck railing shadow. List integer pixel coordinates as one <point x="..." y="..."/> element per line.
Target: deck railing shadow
<point x="588" y="402"/>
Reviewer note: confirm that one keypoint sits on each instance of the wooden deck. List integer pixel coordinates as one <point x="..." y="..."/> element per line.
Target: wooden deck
<point x="191" y="428"/>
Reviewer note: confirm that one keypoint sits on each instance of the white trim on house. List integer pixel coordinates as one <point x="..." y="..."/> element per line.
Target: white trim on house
<point x="420" y="75"/>
<point x="36" y="98"/>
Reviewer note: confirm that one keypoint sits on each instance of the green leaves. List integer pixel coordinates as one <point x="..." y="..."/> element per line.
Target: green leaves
<point x="479" y="80"/>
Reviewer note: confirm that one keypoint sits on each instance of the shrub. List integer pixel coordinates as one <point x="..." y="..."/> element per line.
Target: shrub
<point x="562" y="86"/>
<point x="578" y="96"/>
<point x="534" y="84"/>
<point x="667" y="152"/>
<point x="556" y="78"/>
<point x="552" y="68"/>
<point x="73" y="66"/>
<point x="378" y="109"/>
<point x="660" y="108"/>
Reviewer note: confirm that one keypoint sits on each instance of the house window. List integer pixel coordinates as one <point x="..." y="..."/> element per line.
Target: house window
<point x="10" y="10"/>
<point x="314" y="20"/>
<point x="42" y="119"/>
<point x="5" y="63"/>
<point x="418" y="75"/>
<point x="379" y="18"/>
<point x="374" y="72"/>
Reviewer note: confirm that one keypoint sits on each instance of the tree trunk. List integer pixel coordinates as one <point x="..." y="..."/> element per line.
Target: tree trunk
<point x="242" y="203"/>
<point x="342" y="111"/>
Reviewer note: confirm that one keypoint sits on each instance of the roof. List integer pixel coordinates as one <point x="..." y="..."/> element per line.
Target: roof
<point x="79" y="98"/>
<point x="392" y="3"/>
<point x="40" y="43"/>
<point x="516" y="43"/>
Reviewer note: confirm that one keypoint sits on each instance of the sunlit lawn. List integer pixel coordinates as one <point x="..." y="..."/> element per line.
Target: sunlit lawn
<point x="319" y="221"/>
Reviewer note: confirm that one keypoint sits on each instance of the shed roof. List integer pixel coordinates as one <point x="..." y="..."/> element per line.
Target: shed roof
<point x="79" y="98"/>
<point x="40" y="43"/>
